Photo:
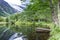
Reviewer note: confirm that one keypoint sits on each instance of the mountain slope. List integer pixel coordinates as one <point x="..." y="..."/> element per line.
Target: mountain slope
<point x="6" y="9"/>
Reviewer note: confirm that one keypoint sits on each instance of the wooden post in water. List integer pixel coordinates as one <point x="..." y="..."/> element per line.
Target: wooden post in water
<point x="42" y="33"/>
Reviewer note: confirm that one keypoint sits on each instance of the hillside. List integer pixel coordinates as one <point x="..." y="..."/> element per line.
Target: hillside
<point x="6" y="9"/>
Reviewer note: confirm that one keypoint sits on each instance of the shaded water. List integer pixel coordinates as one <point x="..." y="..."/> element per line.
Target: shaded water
<point x="8" y="34"/>
<point x="13" y="33"/>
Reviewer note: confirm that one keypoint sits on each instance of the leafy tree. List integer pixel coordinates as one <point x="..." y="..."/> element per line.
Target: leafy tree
<point x="39" y="13"/>
<point x="33" y="16"/>
<point x="54" y="8"/>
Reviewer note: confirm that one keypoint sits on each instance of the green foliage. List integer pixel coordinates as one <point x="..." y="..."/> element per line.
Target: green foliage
<point x="55" y="33"/>
<point x="33" y="16"/>
<point x="2" y="19"/>
<point x="37" y="14"/>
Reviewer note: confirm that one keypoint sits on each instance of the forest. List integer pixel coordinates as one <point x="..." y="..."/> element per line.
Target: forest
<point x="38" y="14"/>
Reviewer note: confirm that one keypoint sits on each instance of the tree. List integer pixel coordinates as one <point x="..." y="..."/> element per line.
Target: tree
<point x="59" y="11"/>
<point x="53" y="6"/>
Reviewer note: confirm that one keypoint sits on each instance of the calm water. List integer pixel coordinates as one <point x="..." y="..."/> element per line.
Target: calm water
<point x="7" y="34"/>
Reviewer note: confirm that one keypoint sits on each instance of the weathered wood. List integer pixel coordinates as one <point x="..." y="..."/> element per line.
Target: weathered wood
<point x="42" y="33"/>
<point x="42" y="30"/>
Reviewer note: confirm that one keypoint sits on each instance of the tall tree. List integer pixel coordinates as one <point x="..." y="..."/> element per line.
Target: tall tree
<point x="54" y="12"/>
<point x="59" y="11"/>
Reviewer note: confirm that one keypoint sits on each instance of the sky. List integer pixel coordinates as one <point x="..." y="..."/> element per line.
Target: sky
<point x="14" y="3"/>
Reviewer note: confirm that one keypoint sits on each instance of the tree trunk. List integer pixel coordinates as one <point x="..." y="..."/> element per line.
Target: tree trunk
<point x="54" y="12"/>
<point x="59" y="11"/>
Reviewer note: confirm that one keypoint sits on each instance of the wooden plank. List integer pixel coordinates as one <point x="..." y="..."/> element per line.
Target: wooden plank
<point x="42" y="30"/>
<point x="42" y="33"/>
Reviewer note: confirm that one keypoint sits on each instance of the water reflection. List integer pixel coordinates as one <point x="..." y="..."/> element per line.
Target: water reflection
<point x="8" y="34"/>
<point x="17" y="36"/>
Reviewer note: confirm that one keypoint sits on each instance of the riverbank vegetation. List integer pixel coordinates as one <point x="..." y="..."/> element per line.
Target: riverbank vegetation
<point x="40" y="13"/>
